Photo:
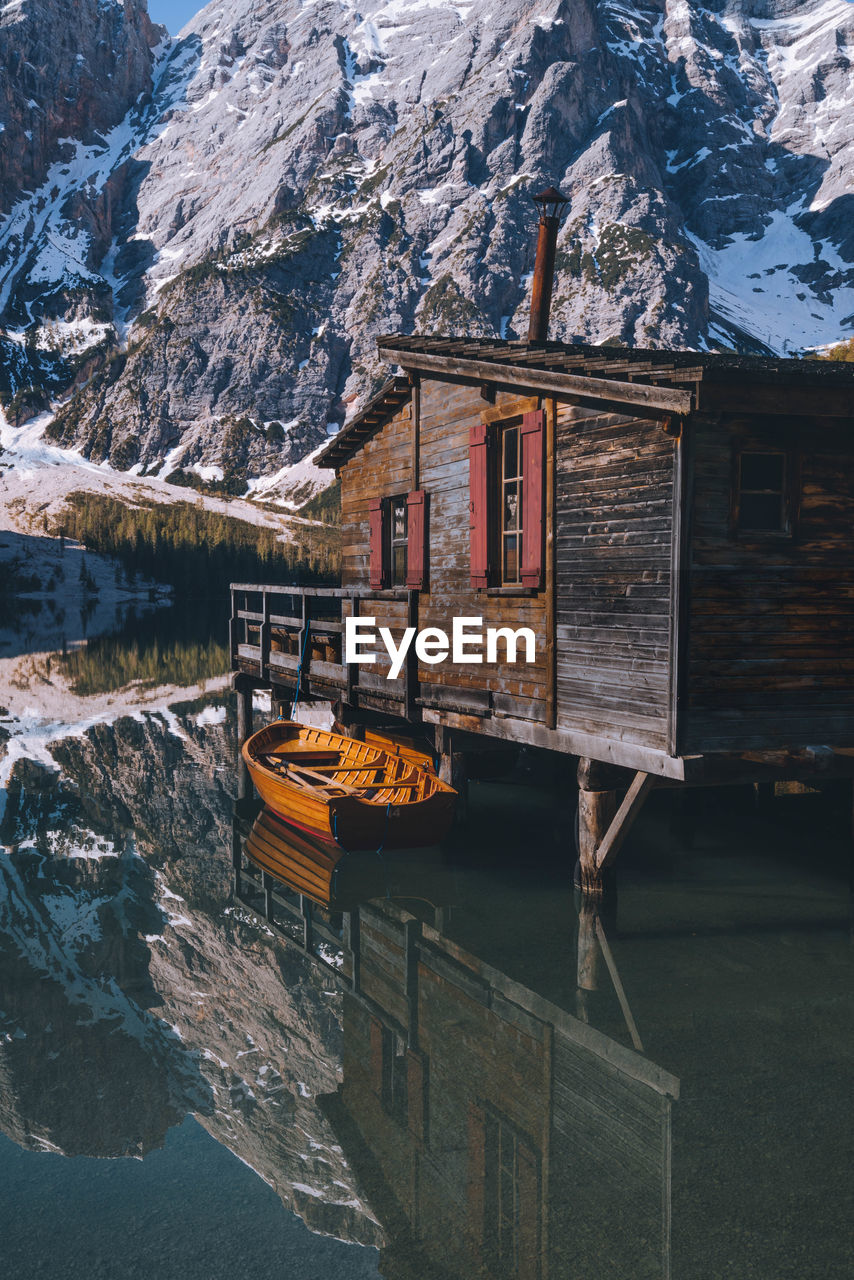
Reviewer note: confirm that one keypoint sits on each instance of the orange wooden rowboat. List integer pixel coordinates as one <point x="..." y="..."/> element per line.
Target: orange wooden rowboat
<point x="348" y="791"/>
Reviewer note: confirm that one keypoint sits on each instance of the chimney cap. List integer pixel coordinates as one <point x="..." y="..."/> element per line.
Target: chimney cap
<point x="551" y="195"/>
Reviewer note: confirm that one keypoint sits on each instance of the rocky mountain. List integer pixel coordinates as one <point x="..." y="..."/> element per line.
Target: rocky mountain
<point x="204" y="280"/>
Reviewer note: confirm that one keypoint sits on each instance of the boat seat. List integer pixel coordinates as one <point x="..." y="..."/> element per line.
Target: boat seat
<point x="306" y="755"/>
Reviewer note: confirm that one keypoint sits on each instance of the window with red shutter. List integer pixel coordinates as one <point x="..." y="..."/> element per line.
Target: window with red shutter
<point x="377" y="543"/>
<point x="533" y="490"/>
<point x="416" y="532"/>
<point x="507" y="502"/>
<point x="479" y="505"/>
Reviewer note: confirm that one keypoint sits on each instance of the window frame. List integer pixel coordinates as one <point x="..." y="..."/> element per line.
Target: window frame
<point x="789" y="487"/>
<point x="496" y="423"/>
<point x="393" y="503"/>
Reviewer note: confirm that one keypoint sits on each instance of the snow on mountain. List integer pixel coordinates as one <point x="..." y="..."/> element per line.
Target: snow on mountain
<point x="210" y="273"/>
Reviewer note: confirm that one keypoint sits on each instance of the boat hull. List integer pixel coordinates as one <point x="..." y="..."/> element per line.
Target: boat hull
<point x="385" y="802"/>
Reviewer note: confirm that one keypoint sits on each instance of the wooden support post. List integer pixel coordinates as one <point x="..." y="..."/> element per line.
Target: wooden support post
<point x="602" y="828"/>
<point x="264" y="639"/>
<point x="233" y="640"/>
<point x="410" y="671"/>
<point x="243" y="689"/>
<point x="304" y="653"/>
<point x="452" y="769"/>
<point x="597" y="804"/>
<point x="351" y="669"/>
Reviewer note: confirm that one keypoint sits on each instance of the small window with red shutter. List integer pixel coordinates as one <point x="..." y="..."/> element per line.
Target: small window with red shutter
<point x="506" y="502"/>
<point x="398" y="541"/>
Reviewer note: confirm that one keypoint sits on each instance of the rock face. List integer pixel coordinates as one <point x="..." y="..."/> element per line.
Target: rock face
<point x="307" y="176"/>
<point x="66" y="74"/>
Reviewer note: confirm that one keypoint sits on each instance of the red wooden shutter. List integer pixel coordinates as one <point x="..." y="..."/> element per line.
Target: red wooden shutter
<point x="533" y="490"/>
<point x="416" y="539"/>
<point x="377" y="543"/>
<point x="479" y="506"/>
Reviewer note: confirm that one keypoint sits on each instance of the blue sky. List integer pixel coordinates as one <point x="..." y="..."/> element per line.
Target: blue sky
<point x="173" y="13"/>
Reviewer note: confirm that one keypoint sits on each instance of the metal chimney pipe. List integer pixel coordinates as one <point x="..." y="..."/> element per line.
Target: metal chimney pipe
<point x="552" y="206"/>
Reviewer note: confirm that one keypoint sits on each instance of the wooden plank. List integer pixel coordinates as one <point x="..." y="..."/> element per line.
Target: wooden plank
<point x="624" y="819"/>
<point x="599" y="746"/>
<point x="624" y="393"/>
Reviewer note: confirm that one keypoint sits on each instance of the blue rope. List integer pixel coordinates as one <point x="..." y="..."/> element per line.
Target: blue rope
<point x="299" y="668"/>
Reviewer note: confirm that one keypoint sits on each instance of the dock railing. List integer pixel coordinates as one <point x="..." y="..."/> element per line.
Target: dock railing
<point x="293" y="636"/>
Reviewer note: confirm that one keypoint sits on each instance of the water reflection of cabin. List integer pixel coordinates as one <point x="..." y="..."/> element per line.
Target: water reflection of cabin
<point x="494" y="1134"/>
<point x="676" y="528"/>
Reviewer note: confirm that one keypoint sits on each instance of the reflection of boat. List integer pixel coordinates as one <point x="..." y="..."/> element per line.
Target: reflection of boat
<point x="317" y="869"/>
<point x="345" y="790"/>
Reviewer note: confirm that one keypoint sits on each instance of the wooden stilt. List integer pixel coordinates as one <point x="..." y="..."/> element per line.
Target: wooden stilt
<point x="602" y="827"/>
<point x="452" y="769"/>
<point x="597" y="803"/>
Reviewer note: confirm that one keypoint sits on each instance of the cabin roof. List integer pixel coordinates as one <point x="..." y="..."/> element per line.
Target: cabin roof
<point x="642" y="363"/>
<point x="384" y="405"/>
<point x="640" y="380"/>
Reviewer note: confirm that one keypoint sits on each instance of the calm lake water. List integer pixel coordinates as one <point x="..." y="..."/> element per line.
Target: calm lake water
<point x="470" y="1073"/>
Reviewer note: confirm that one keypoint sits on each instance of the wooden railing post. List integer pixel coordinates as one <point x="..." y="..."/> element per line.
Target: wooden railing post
<point x="352" y="668"/>
<point x="410" y="673"/>
<point x="264" y="639"/>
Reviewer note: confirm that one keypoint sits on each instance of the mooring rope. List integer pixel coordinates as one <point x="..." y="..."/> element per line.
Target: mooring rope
<point x="299" y="669"/>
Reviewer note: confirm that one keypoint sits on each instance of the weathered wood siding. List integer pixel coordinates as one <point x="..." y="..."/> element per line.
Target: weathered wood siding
<point x="614" y="500"/>
<point x="770" y="659"/>
<point x="447" y="415"/>
<point x="381" y="468"/>
<point x="384" y="467"/>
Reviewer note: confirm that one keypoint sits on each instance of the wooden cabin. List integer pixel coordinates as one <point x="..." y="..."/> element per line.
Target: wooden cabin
<point x="676" y="528"/>
<point x="674" y="532"/>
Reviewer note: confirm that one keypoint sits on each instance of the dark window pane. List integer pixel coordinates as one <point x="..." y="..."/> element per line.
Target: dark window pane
<point x="511" y="558"/>
<point x="762" y="471"/>
<point x="761" y="511"/>
<point x="398" y="565"/>
<point x="511" y="443"/>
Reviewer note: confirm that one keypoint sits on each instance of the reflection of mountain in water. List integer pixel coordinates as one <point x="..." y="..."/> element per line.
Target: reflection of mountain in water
<point x="127" y="1005"/>
<point x="461" y="1089"/>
